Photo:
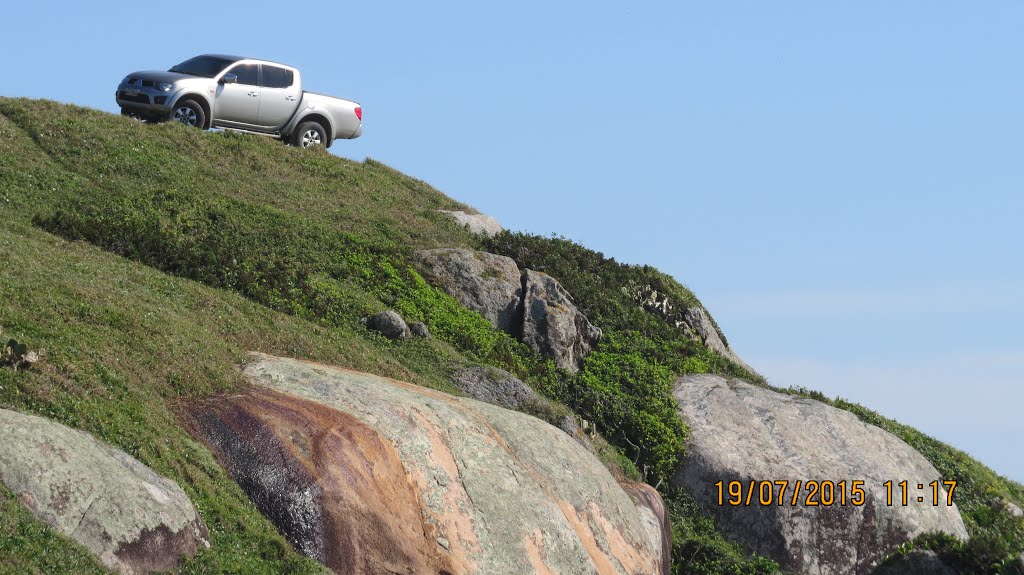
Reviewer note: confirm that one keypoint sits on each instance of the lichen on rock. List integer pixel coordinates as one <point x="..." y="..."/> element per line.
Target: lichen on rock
<point x="134" y="520"/>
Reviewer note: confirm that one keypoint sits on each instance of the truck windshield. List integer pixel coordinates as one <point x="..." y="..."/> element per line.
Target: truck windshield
<point x="205" y="66"/>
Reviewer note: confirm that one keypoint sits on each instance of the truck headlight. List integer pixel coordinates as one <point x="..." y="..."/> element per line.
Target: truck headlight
<point x="165" y="86"/>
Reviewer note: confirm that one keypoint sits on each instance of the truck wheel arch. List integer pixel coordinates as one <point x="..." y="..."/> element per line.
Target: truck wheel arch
<point x="319" y="119"/>
<point x="197" y="98"/>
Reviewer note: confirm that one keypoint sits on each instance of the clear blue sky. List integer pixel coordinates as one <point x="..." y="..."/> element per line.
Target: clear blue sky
<point x="839" y="182"/>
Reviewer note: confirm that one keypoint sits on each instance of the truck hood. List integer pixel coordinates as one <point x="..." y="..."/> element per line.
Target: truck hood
<point x="161" y="76"/>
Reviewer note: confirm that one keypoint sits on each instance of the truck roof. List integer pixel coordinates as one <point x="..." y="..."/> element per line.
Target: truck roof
<point x="237" y="58"/>
<point x="228" y="57"/>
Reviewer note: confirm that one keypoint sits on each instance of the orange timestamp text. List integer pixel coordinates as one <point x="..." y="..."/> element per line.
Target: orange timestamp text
<point x="828" y="493"/>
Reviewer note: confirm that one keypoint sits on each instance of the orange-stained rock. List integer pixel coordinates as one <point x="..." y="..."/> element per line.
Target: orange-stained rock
<point x="646" y="496"/>
<point x="373" y="475"/>
<point x="335" y="487"/>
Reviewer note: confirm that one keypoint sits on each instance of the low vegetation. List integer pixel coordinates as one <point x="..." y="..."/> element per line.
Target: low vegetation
<point x="198" y="247"/>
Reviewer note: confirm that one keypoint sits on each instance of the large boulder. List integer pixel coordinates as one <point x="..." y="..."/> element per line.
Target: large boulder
<point x="485" y="283"/>
<point x="551" y="323"/>
<point x="375" y="476"/>
<point x="134" y="520"/>
<point x="389" y="324"/>
<point x="741" y="432"/>
<point x="530" y="305"/>
<point x="477" y="223"/>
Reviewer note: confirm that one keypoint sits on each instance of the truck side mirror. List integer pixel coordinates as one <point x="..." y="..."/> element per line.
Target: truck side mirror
<point x="229" y="79"/>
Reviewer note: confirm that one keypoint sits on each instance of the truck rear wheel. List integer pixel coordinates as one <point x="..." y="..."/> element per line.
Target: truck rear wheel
<point x="308" y="135"/>
<point x="190" y="113"/>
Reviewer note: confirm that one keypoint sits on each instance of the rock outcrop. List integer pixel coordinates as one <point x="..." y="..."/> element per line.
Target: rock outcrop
<point x="528" y="304"/>
<point x="485" y="283"/>
<point x="551" y="323"/>
<point x="741" y="432"/>
<point x="494" y="386"/>
<point x="477" y="223"/>
<point x="501" y="388"/>
<point x="478" y="489"/>
<point x="134" y="520"/>
<point x="693" y="320"/>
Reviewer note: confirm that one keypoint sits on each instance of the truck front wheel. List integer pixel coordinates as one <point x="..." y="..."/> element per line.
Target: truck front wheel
<point x="190" y="113"/>
<point x="308" y="135"/>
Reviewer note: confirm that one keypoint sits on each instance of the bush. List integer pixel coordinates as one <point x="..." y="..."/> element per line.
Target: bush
<point x="698" y="548"/>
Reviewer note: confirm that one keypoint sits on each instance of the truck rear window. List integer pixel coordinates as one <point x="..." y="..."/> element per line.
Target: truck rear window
<point x="274" y="77"/>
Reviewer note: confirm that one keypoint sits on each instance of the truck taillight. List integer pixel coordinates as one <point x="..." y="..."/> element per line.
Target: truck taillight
<point x="359" y="113"/>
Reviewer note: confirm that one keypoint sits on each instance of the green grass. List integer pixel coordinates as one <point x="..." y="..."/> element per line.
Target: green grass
<point x="96" y="149"/>
<point x="39" y="549"/>
<point x="202" y="246"/>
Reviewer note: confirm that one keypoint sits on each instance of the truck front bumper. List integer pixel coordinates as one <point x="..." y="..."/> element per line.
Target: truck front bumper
<point x="145" y="102"/>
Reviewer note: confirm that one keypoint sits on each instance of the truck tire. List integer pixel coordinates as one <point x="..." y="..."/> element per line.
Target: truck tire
<point x="190" y="113"/>
<point x="308" y="135"/>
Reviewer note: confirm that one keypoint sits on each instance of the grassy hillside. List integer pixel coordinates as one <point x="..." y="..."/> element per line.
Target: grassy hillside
<point x="145" y="260"/>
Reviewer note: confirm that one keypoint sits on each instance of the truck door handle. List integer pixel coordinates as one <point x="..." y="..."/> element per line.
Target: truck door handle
<point x="290" y="98"/>
<point x="254" y="94"/>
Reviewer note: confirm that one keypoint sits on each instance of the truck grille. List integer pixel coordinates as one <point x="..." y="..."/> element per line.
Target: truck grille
<point x="143" y="83"/>
<point x="141" y="98"/>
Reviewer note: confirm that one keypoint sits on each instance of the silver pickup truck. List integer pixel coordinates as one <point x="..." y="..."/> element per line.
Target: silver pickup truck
<point x="244" y="94"/>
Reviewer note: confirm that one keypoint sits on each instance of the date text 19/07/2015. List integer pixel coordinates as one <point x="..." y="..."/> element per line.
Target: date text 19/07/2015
<point x="827" y="493"/>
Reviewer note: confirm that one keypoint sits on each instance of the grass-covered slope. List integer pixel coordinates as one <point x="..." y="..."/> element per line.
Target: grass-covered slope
<point x="201" y="246"/>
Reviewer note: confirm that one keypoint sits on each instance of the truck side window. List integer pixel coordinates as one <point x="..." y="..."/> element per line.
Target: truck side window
<point x="274" y="77"/>
<point x="248" y="74"/>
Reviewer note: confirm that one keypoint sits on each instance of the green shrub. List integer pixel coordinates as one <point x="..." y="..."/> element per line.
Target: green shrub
<point x="698" y="547"/>
<point x="630" y="399"/>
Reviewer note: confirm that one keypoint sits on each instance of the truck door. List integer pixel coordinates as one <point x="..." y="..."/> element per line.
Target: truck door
<point x="239" y="103"/>
<point x="280" y="96"/>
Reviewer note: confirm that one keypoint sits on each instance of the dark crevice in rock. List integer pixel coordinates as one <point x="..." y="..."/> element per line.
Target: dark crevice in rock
<point x="519" y="316"/>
